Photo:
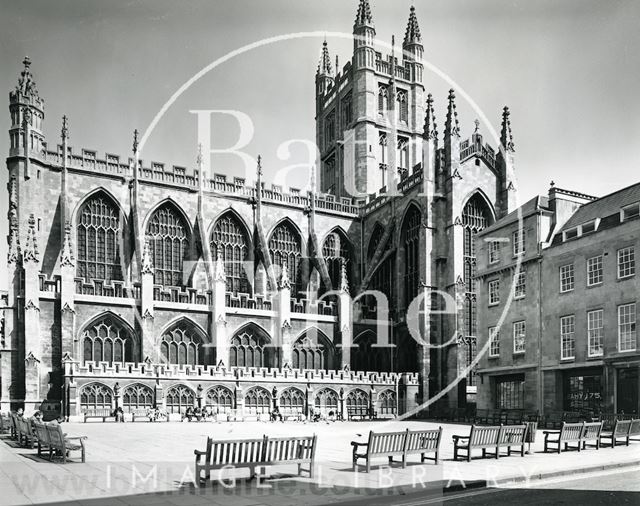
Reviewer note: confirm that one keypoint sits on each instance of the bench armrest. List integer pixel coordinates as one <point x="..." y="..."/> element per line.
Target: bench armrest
<point x="80" y="438"/>
<point x="199" y="453"/>
<point x="456" y="437"/>
<point x="546" y="432"/>
<point x="355" y="444"/>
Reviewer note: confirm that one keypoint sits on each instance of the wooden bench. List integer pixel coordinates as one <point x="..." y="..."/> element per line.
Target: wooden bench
<point x="43" y="437"/>
<point x="620" y="430"/>
<point x="25" y="432"/>
<point x="513" y="416"/>
<point x="60" y="443"/>
<point x="512" y="436"/>
<point x="568" y="433"/>
<point x="292" y="414"/>
<point x="360" y="411"/>
<point x="102" y="413"/>
<point x="591" y="432"/>
<point x="397" y="444"/>
<point x="254" y="454"/>
<point x="634" y="430"/>
<point x="140" y="413"/>
<point x="480" y="438"/>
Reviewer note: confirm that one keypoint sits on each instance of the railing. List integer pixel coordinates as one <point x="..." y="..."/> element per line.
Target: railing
<point x="245" y="301"/>
<point x="384" y="67"/>
<point x="181" y="295"/>
<point x="469" y="148"/>
<point x="306" y="306"/>
<point x="101" y="288"/>
<point x="177" y="175"/>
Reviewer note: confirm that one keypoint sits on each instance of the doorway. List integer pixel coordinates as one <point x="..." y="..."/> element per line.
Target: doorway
<point x="627" y="390"/>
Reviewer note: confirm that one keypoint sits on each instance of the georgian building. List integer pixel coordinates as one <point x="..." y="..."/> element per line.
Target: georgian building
<point x="138" y="285"/>
<point x="568" y="339"/>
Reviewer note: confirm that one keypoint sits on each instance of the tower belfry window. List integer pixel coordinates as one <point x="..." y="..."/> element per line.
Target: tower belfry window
<point x="403" y="106"/>
<point x="383" y="98"/>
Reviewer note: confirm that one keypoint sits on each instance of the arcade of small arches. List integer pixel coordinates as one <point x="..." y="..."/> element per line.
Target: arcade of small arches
<point x="227" y="400"/>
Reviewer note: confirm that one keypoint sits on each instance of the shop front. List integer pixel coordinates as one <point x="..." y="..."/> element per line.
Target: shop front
<point x="583" y="390"/>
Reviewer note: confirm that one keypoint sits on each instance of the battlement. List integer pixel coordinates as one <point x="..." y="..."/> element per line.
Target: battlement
<point x="157" y="172"/>
<point x="474" y="146"/>
<point x="383" y="66"/>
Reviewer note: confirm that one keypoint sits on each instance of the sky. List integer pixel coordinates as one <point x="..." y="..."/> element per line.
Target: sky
<point x="568" y="69"/>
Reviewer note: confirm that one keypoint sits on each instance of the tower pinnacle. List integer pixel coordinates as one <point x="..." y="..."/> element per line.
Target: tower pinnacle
<point x="324" y="66"/>
<point x="412" y="34"/>
<point x="363" y="16"/>
<point x="451" y="125"/>
<point x="430" y="126"/>
<point x="506" y="137"/>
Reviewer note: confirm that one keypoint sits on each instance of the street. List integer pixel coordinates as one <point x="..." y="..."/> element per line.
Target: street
<point x="603" y="488"/>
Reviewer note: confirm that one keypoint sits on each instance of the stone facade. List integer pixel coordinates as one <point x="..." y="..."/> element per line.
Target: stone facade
<point x="580" y="342"/>
<point x="134" y="284"/>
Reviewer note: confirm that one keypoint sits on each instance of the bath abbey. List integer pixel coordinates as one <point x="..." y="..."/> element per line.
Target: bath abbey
<point x="135" y="285"/>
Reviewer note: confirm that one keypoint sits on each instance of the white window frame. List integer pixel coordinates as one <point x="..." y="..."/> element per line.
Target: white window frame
<point x="494" y="342"/>
<point x="630" y="212"/>
<point x="565" y="278"/>
<point x="630" y="320"/>
<point x="567" y="334"/>
<point x="494" y="252"/>
<point x="598" y="260"/>
<point x="494" y="292"/>
<point x="595" y="332"/>
<point x="519" y="337"/>
<point x="520" y="283"/>
<point x="631" y="261"/>
<point x="518" y="237"/>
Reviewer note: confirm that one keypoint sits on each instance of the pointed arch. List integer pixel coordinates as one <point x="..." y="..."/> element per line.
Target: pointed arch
<point x="249" y="348"/>
<point x="292" y="401"/>
<point x="137" y="396"/>
<point x="179" y="397"/>
<point x="96" y="395"/>
<point x="327" y="402"/>
<point x="169" y="234"/>
<point x="107" y="337"/>
<point x="230" y="238"/>
<point x="183" y="342"/>
<point x="312" y="349"/>
<point x="286" y="247"/>
<point x="220" y="399"/>
<point x="357" y="398"/>
<point x="257" y="400"/>
<point x="410" y="254"/>
<point x="480" y="194"/>
<point x="376" y="235"/>
<point x="387" y="402"/>
<point x="336" y="250"/>
<point x="477" y="214"/>
<point x="99" y="227"/>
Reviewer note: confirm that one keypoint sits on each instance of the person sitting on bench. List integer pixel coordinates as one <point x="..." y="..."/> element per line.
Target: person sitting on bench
<point x="275" y="414"/>
<point x="189" y="413"/>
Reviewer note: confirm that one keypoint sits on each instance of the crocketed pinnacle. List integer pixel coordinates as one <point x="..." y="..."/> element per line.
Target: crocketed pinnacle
<point x="451" y="125"/>
<point x="66" y="256"/>
<point x="412" y="34"/>
<point x="363" y="17"/>
<point x="324" y="65"/>
<point x="506" y="137"/>
<point x="430" y="126"/>
<point x="30" y="252"/>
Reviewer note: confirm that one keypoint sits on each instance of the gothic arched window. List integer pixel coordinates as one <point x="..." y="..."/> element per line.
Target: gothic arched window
<point x="179" y="398"/>
<point x="383" y="98"/>
<point x="98" y="244"/>
<point x="229" y="240"/>
<point x="96" y="396"/>
<point x="292" y="400"/>
<point x="476" y="216"/>
<point x="257" y="400"/>
<point x="168" y="238"/>
<point x="357" y="398"/>
<point x="109" y="340"/>
<point x="403" y="105"/>
<point x="249" y="349"/>
<point x="220" y="399"/>
<point x="327" y="401"/>
<point x="182" y="344"/>
<point x="387" y="404"/>
<point x="312" y="351"/>
<point x="137" y="397"/>
<point x="411" y="260"/>
<point x="285" y="247"/>
<point x="336" y="250"/>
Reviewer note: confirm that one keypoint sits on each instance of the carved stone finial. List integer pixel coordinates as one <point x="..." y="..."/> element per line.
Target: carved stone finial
<point x="64" y="133"/>
<point x="344" y="278"/>
<point x="219" y="273"/>
<point x="284" y="277"/>
<point x="66" y="256"/>
<point x="451" y="126"/>
<point x="430" y="126"/>
<point x="476" y="122"/>
<point x="506" y="136"/>
<point x="135" y="141"/>
<point x="147" y="259"/>
<point x="30" y="253"/>
<point x="412" y="34"/>
<point x="324" y="65"/>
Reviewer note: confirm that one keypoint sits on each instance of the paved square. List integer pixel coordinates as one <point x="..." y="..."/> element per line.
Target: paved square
<point x="153" y="463"/>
